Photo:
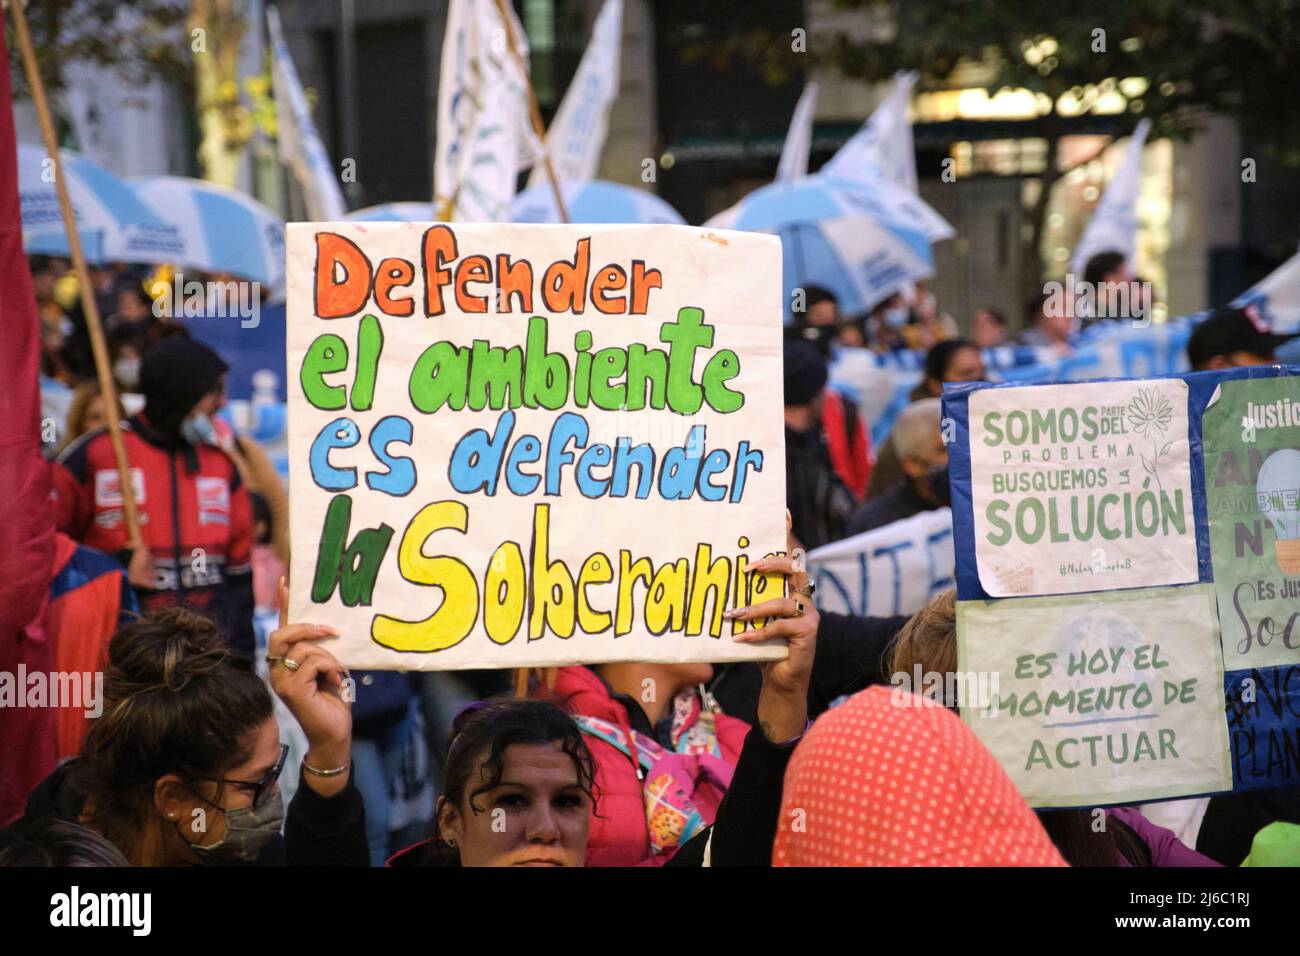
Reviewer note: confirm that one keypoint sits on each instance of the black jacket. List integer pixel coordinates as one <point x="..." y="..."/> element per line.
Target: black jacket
<point x="318" y="831"/>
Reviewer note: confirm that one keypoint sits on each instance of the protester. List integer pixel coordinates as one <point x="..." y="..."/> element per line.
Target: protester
<point x="1104" y="273"/>
<point x="988" y="329"/>
<point x="182" y="767"/>
<point x="818" y="320"/>
<point x="196" y="518"/>
<point x="1234" y="338"/>
<point x="86" y="413"/>
<point x="927" y="644"/>
<point x="885" y="323"/>
<point x="664" y="759"/>
<point x="1052" y="323"/>
<point x="817" y="497"/>
<point x="954" y="360"/>
<point x="877" y="784"/>
<point x="917" y="439"/>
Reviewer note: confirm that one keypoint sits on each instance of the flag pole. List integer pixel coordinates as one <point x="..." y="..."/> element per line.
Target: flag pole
<point x="538" y="126"/>
<point x="102" y="369"/>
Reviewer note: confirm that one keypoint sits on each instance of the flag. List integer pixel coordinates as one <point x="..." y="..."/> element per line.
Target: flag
<point x="301" y="149"/>
<point x="26" y="526"/>
<point x="798" y="141"/>
<point x="883" y="146"/>
<point x="577" y="133"/>
<point x="484" y="131"/>
<point x="1114" y="224"/>
<point x="881" y="155"/>
<point x="1277" y="296"/>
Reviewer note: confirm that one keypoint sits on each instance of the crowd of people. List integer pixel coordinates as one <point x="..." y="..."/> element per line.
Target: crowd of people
<point x="749" y="764"/>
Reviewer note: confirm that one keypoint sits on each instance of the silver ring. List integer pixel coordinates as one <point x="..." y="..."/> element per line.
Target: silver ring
<point x="290" y="663"/>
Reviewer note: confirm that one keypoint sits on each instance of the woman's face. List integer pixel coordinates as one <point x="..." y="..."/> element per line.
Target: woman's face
<point x="195" y="811"/>
<point x="95" y="416"/>
<point x="966" y="365"/>
<point x="537" y="815"/>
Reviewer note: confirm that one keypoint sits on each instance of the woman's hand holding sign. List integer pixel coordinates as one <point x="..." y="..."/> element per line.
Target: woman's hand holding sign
<point x="311" y="682"/>
<point x="783" y="701"/>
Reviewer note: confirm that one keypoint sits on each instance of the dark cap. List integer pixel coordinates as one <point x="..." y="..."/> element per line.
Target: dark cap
<point x="805" y="372"/>
<point x="1233" y="330"/>
<point x="174" y="375"/>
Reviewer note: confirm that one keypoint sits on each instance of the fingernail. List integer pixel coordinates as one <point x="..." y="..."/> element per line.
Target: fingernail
<point x="732" y="613"/>
<point x="759" y="565"/>
<point x="327" y="629"/>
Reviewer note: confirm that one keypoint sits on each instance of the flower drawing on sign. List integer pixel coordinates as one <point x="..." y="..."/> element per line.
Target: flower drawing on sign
<point x="1149" y="415"/>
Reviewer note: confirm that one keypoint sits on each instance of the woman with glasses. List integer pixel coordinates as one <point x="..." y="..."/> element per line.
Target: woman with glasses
<point x="183" y="765"/>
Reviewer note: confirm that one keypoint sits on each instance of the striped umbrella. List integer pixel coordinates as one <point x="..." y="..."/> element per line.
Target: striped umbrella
<point x="595" y="202"/>
<point x="394" y="212"/>
<point x="112" y="222"/>
<point x="221" y="230"/>
<point x="856" y="240"/>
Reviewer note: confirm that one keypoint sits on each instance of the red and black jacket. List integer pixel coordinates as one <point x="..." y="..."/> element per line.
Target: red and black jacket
<point x="195" y="517"/>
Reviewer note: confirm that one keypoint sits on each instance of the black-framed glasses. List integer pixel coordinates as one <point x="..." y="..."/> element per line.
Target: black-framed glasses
<point x="262" y="787"/>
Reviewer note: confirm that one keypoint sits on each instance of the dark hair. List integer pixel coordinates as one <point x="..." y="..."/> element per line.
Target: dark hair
<point x="995" y="315"/>
<point x="1034" y="306"/>
<point x="940" y="356"/>
<point x="63" y="843"/>
<point x="1100" y="265"/>
<point x="479" y="737"/>
<point x="1081" y="845"/>
<point x="176" y="700"/>
<point x="816" y="295"/>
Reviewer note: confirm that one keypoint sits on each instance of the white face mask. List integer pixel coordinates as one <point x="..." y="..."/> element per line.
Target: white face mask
<point x="127" y="372"/>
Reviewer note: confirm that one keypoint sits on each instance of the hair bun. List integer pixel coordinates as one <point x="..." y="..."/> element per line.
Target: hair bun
<point x="168" y="648"/>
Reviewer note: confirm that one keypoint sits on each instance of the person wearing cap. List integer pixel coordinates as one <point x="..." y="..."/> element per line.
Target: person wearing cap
<point x="1233" y="338"/>
<point x="819" y="500"/>
<point x="194" y="511"/>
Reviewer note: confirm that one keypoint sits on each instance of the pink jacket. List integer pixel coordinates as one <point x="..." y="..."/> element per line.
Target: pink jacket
<point x="619" y="834"/>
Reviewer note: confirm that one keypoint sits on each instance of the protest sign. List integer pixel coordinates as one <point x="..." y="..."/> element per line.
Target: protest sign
<point x="533" y="445"/>
<point x="1251" y="436"/>
<point x="886" y="571"/>
<point x="1100" y="700"/>
<point x="1238" y="481"/>
<point x="1081" y="487"/>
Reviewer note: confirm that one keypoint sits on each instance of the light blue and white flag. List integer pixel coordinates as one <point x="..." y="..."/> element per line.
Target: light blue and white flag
<point x="485" y="134"/>
<point x="1277" y="297"/>
<point x="300" y="146"/>
<point x="1114" y="223"/>
<point x="577" y="133"/>
<point x="798" y="140"/>
<point x="881" y="153"/>
<point x="113" y="223"/>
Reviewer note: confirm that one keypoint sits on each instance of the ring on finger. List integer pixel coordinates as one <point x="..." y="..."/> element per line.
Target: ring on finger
<point x="272" y="661"/>
<point x="809" y="588"/>
<point x="798" y="606"/>
<point x="290" y="663"/>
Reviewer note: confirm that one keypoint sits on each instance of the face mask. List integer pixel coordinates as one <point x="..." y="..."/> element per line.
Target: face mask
<point x="127" y="372"/>
<point x="197" y="428"/>
<point x="248" y="831"/>
<point x="896" y="317"/>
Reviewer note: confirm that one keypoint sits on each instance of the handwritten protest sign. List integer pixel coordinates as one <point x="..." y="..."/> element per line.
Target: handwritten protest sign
<point x="886" y="571"/>
<point x="1239" y="483"/>
<point x="1251" y="434"/>
<point x="1082" y="487"/>
<point x="1101" y="698"/>
<point x="533" y="445"/>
